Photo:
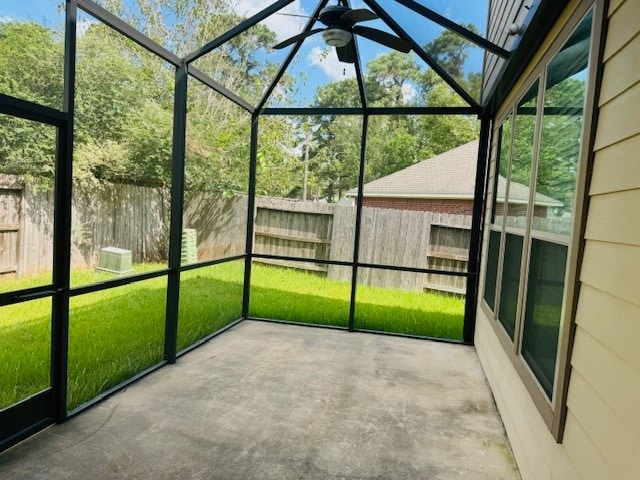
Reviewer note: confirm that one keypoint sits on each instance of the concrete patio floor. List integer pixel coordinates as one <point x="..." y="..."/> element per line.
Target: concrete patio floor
<point x="268" y="401"/>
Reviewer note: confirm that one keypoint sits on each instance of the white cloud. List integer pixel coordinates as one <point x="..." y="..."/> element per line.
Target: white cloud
<point x="328" y="61"/>
<point x="409" y="92"/>
<point x="284" y="26"/>
<point x="83" y="24"/>
<point x="6" y="19"/>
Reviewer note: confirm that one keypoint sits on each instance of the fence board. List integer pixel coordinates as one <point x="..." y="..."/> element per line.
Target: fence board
<point x="10" y="214"/>
<point x="342" y="238"/>
<point x="220" y="222"/>
<point x="137" y="218"/>
<point x="403" y="238"/>
<point x="293" y="229"/>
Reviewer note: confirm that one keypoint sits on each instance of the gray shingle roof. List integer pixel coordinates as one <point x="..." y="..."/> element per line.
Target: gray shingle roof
<point x="450" y="175"/>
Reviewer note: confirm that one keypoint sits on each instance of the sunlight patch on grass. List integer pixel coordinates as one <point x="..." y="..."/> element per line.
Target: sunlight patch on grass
<point x="298" y="296"/>
<point x="116" y="333"/>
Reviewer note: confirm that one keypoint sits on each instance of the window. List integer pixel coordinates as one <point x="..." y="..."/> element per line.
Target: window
<point x="537" y="187"/>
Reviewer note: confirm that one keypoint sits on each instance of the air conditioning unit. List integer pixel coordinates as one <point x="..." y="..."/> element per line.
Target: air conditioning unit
<point x="115" y="260"/>
<point x="189" y="246"/>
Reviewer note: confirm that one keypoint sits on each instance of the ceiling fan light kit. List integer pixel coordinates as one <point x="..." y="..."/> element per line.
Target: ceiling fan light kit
<point x="341" y="27"/>
<point x="336" y="37"/>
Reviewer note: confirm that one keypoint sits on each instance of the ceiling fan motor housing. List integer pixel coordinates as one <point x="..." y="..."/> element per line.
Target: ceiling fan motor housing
<point x="331" y="16"/>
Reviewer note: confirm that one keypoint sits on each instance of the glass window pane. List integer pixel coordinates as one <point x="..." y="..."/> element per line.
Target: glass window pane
<point x="210" y="298"/>
<point x="32" y="51"/>
<point x="122" y="157"/>
<point x="114" y="334"/>
<point x="502" y="171"/>
<point x="520" y="172"/>
<point x="564" y="100"/>
<point x="286" y="290"/>
<point x="545" y="293"/>
<point x="510" y="285"/>
<point x="25" y="350"/>
<point x="395" y="301"/>
<point x="27" y="166"/>
<point x="491" y="274"/>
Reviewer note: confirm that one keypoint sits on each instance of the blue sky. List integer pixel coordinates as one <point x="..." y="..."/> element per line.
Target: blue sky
<point x="313" y="62"/>
<point x="46" y="12"/>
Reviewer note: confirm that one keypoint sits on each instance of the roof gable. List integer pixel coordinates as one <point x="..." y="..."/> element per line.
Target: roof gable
<point x="450" y="175"/>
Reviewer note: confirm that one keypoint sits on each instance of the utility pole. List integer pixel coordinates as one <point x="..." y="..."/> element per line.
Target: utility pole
<point x="306" y="171"/>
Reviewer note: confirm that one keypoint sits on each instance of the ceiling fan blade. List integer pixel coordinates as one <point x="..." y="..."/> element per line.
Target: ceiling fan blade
<point x="295" y="15"/>
<point x="384" y="38"/>
<point x="359" y="15"/>
<point x="347" y="54"/>
<point x="296" y="38"/>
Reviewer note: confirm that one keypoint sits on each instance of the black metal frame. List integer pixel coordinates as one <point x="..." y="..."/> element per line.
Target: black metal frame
<point x="48" y="406"/>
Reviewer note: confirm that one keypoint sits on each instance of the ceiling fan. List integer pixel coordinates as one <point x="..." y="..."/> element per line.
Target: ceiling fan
<point x="341" y="21"/>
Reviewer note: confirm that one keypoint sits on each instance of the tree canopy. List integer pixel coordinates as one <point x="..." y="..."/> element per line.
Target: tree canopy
<point x="124" y="107"/>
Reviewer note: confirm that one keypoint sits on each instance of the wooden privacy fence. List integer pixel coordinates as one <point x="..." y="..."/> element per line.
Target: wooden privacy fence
<point x="11" y="229"/>
<point x="293" y="229"/>
<point x="403" y="238"/>
<point x="137" y="219"/>
<point x="220" y="222"/>
<point x="125" y="216"/>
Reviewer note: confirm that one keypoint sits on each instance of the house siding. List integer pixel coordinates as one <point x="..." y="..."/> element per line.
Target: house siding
<point x="602" y="429"/>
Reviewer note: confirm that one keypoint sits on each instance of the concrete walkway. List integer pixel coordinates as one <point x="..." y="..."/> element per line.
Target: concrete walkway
<point x="267" y="401"/>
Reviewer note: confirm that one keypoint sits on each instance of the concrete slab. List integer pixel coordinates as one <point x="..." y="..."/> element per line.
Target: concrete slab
<point x="267" y="401"/>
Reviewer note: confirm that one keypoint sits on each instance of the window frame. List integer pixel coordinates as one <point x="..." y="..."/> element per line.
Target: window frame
<point x="553" y="410"/>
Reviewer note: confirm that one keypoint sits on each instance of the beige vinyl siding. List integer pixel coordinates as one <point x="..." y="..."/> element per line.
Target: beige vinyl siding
<point x="602" y="429"/>
<point x="621" y="71"/>
<point x="619" y="118"/>
<point x="616" y="168"/>
<point x="605" y="384"/>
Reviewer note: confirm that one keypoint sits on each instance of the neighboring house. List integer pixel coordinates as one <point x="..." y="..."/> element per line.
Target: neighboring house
<point x="445" y="184"/>
<point x="558" y="319"/>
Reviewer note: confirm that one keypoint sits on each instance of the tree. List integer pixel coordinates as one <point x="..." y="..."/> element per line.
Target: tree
<point x="451" y="51"/>
<point x="31" y="63"/>
<point x="393" y="142"/>
<point x="31" y="69"/>
<point x="388" y="76"/>
<point x="124" y="106"/>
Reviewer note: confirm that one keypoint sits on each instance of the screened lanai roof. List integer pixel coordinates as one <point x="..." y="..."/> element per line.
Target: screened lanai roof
<point x="447" y="41"/>
<point x="446" y="38"/>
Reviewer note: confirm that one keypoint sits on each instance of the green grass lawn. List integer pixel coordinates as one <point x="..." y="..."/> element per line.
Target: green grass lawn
<point x="284" y="294"/>
<point x="117" y="333"/>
